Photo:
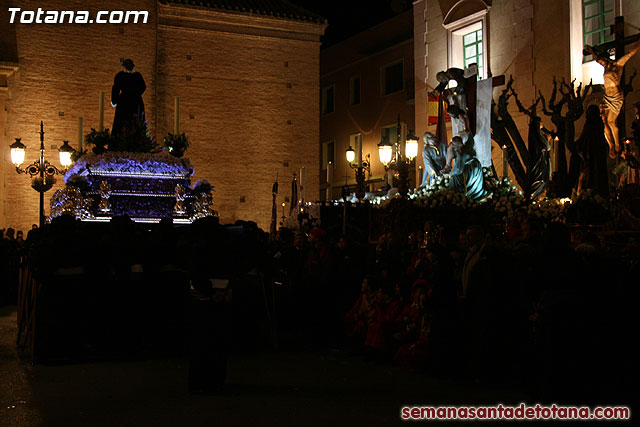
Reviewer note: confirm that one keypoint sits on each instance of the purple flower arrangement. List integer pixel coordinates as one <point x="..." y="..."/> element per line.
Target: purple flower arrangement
<point x="131" y="163"/>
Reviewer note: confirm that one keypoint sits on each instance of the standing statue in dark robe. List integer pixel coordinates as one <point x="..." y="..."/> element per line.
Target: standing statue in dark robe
<point x="126" y="97"/>
<point x="434" y="156"/>
<point x="592" y="148"/>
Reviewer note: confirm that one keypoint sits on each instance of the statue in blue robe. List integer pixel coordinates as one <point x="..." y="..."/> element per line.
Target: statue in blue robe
<point x="466" y="175"/>
<point x="434" y="156"/>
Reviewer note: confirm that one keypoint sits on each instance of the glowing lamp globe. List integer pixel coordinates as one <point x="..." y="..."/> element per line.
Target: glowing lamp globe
<point x="411" y="146"/>
<point x="351" y="154"/>
<point x="385" y="151"/>
<point x="17" y="152"/>
<point x="65" y="154"/>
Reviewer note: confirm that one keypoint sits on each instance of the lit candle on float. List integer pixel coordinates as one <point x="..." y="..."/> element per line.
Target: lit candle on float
<point x="101" y="112"/>
<point x="80" y="134"/>
<point x="505" y="163"/>
<point x="556" y="154"/>
<point x="176" y="116"/>
<point x="303" y="183"/>
<point x="330" y="181"/>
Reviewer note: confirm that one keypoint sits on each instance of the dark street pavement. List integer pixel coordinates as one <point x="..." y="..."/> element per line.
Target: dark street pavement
<point x="266" y="388"/>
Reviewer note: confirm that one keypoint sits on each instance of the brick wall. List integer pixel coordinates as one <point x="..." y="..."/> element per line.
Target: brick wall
<point x="62" y="69"/>
<point x="235" y="108"/>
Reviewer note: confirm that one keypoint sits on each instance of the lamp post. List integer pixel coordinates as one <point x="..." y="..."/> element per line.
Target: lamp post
<point x="360" y="167"/>
<point x="41" y="168"/>
<point x="283" y="216"/>
<point x="402" y="158"/>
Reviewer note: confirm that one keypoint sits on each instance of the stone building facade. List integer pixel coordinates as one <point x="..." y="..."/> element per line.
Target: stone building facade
<point x="532" y="40"/>
<point x="366" y="82"/>
<point x="247" y="74"/>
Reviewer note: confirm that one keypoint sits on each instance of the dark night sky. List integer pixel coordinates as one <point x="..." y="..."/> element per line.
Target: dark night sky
<point x="352" y="16"/>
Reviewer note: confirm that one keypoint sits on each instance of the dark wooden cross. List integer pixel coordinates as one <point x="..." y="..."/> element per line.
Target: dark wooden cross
<point x="618" y="43"/>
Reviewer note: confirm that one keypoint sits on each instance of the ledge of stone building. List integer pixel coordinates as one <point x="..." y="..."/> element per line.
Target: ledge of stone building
<point x="204" y="20"/>
<point x="6" y="69"/>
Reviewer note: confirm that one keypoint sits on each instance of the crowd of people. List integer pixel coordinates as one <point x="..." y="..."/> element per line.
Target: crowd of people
<point x="13" y="246"/>
<point x="536" y="305"/>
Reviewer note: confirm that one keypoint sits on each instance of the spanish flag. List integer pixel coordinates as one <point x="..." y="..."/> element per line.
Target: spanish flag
<point x="432" y="110"/>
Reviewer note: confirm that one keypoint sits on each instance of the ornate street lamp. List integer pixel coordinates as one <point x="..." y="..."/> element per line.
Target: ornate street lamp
<point x="65" y="154"/>
<point x="411" y="146"/>
<point x="400" y="161"/>
<point x="360" y="167"/>
<point x="41" y="168"/>
<point x="385" y="152"/>
<point x="350" y="154"/>
<point x="17" y="152"/>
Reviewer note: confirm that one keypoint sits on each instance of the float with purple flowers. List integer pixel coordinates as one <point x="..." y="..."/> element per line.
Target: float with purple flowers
<point x="146" y="186"/>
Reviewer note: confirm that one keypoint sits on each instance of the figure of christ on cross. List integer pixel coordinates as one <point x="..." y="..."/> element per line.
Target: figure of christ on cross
<point x="614" y="98"/>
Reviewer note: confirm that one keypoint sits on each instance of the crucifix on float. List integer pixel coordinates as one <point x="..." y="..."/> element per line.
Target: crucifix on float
<point x="613" y="102"/>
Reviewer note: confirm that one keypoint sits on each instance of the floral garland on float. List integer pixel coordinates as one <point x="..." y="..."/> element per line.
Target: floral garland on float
<point x="126" y="163"/>
<point x="438" y="202"/>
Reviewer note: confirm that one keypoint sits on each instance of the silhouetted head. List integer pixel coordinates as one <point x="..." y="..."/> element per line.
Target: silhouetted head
<point x="475" y="234"/>
<point x="370" y="283"/>
<point x="593" y="113"/>
<point x="128" y="64"/>
<point x="557" y="237"/>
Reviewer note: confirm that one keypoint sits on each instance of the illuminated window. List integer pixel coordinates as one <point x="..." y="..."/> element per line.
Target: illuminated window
<point x="467" y="45"/>
<point x="467" y="35"/>
<point x="589" y="23"/>
<point x="597" y="17"/>
<point x="472" y="49"/>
